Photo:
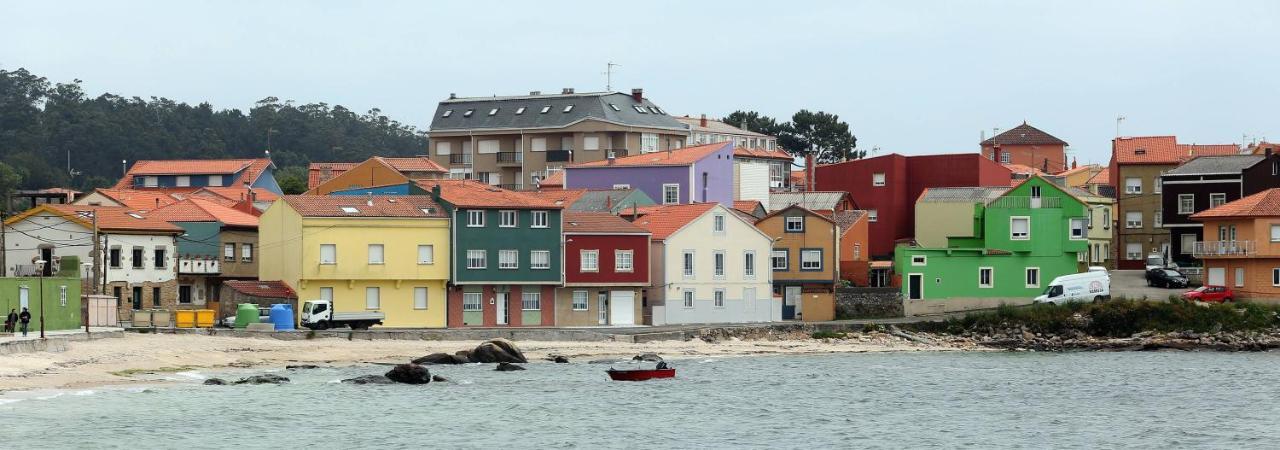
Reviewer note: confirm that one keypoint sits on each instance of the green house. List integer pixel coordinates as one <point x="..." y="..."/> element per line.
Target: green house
<point x="1019" y="242"/>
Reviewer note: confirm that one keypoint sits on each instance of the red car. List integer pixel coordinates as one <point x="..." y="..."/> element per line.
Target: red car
<point x="1212" y="294"/>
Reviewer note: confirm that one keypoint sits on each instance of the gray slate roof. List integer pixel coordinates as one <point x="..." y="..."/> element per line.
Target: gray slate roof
<point x="817" y="201"/>
<point x="962" y="194"/>
<point x="598" y="200"/>
<point x="1216" y="164"/>
<point x="589" y="105"/>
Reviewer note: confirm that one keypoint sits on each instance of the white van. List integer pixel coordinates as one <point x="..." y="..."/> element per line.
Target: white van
<point x="1077" y="287"/>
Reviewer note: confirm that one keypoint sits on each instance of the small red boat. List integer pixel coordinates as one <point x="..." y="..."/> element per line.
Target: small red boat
<point x="640" y="374"/>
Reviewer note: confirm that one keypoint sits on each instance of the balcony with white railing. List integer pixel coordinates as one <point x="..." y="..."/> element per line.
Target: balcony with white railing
<point x="1025" y="202"/>
<point x="1211" y="249"/>
<point x="199" y="266"/>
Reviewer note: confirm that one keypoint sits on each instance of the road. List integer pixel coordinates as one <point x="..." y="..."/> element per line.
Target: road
<point x="1133" y="284"/>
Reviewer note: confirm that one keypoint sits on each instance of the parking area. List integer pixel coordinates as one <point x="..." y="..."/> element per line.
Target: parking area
<point x="1133" y="284"/>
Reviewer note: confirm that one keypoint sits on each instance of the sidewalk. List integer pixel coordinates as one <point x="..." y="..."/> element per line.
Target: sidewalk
<point x="55" y="340"/>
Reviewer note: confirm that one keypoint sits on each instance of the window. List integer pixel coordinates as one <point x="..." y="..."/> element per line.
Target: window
<point x="623" y="261"/>
<point x="531" y="301"/>
<point x="648" y="142"/>
<point x="811" y="259"/>
<point x="350" y="210"/>
<point x="149" y="181"/>
<point x="719" y="296"/>
<point x="638" y="108"/>
<point x="229" y="251"/>
<point x="539" y="219"/>
<point x="1158" y="185"/>
<point x="795" y="224"/>
<point x="1020" y="228"/>
<point x="508" y="259"/>
<point x="1133" y="219"/>
<point x="621" y="186"/>
<point x="749" y="264"/>
<point x="1186" y="204"/>
<point x="1157" y="219"/>
<point x="873" y="215"/>
<point x="1133" y="185"/>
<point x="114" y="255"/>
<point x="426" y="254"/>
<point x="375" y="254"/>
<point x="488" y="146"/>
<point x="670" y="194"/>
<point x="718" y="258"/>
<point x="688" y="264"/>
<point x="420" y="298"/>
<point x="590" y="143"/>
<point x="540" y="259"/>
<point x="580" y="300"/>
<point x="568" y="108"/>
<point x="986" y="277"/>
<point x="919" y="260"/>
<point x="688" y="298"/>
<point x="328" y="254"/>
<point x="1077" y="228"/>
<point x="1275" y="233"/>
<point x="1133" y="251"/>
<point x="447" y="113"/>
<point x="1188" y="243"/>
<point x="1097" y="253"/>
<point x="493" y="112"/>
<point x="877" y="179"/>
<point x="1033" y="277"/>
<point x="1275" y="276"/>
<point x="590" y="260"/>
<point x="778" y="260"/>
<point x="471" y="301"/>
<point x="718" y="223"/>
<point x="326" y="294"/>
<point x="215" y="180"/>
<point x="468" y="113"/>
<point x="183" y="181"/>
<point x="857" y="252"/>
<point x="1106" y="218"/>
<point x="1006" y="158"/>
<point x="615" y="107"/>
<point x="1079" y="256"/>
<point x="372" y="298"/>
<point x="1216" y="200"/>
<point x="246" y="252"/>
<point x="507" y="219"/>
<point x="520" y="110"/>
<point x="476" y="259"/>
<point x="1239" y="277"/>
<point x="544" y="109"/>
<point x="475" y="218"/>
<point x="444" y="148"/>
<point x="136" y="258"/>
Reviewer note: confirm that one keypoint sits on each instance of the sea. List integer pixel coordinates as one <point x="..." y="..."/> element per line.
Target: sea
<point x="983" y="400"/>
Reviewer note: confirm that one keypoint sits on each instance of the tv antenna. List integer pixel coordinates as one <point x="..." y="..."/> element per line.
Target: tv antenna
<point x="608" y="75"/>
<point x="1118" y="120"/>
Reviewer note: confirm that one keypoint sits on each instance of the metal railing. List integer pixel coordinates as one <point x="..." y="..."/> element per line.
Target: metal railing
<point x="1024" y="202"/>
<point x="510" y="157"/>
<point x="460" y="159"/>
<point x="1223" y="248"/>
<point x="510" y="186"/>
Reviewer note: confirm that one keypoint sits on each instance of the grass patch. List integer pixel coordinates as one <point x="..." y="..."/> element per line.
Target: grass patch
<point x="828" y="335"/>
<point x="1115" y="318"/>
<point x="132" y="372"/>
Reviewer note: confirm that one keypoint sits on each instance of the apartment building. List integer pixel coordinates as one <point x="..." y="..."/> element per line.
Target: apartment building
<point x="1205" y="183"/>
<point x="1243" y="249"/>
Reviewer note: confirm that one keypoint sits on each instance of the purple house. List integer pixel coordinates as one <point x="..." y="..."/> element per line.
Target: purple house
<point x="688" y="175"/>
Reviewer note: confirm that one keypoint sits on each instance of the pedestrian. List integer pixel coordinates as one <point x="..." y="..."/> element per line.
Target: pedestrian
<point x="24" y="319"/>
<point x="11" y="320"/>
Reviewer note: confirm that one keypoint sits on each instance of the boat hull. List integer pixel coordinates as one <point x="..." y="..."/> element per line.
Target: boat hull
<point x="640" y="375"/>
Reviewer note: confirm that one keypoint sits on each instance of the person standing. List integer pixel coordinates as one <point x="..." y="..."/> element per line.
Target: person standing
<point x="24" y="319"/>
<point x="11" y="321"/>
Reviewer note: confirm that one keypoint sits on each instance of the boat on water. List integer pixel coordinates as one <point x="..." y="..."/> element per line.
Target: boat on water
<point x="661" y="371"/>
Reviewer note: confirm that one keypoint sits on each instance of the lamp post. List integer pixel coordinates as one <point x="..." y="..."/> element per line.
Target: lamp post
<point x="40" y="270"/>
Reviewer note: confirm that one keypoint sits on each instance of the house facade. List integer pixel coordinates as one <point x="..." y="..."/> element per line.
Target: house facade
<point x="805" y="261"/>
<point x="180" y="175"/>
<point x="855" y="260"/>
<point x="1028" y="146"/>
<point x="217" y="244"/>
<point x="389" y="254"/>
<point x="689" y="175"/>
<point x="391" y="176"/>
<point x="707" y="265"/>
<point x="606" y="266"/>
<point x="1205" y="183"/>
<point x="1241" y="249"/>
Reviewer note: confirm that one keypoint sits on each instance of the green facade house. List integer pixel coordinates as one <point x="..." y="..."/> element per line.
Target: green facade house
<point x="1019" y="242"/>
<point x="61" y="294"/>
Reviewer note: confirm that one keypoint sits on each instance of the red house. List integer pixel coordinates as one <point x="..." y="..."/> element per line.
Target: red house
<point x="887" y="187"/>
<point x="606" y="266"/>
<point x="1028" y="146"/>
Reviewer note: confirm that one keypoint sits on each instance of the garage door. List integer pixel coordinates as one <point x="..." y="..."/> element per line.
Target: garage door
<point x="1218" y="276"/>
<point x="622" y="308"/>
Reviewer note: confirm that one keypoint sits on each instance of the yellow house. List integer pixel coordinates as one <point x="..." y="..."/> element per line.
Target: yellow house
<point x="383" y="253"/>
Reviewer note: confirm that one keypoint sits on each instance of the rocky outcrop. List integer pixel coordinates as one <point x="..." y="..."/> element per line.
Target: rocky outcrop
<point x="560" y="359"/>
<point x="369" y="379"/>
<point x="263" y="379"/>
<point x="439" y="379"/>
<point x="498" y="351"/>
<point x="507" y="367"/>
<point x="215" y="382"/>
<point x="647" y="357"/>
<point x="1022" y="339"/>
<point x="442" y="358"/>
<point x="409" y="374"/>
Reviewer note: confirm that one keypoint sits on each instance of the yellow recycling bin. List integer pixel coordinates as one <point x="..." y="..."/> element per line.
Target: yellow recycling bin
<point x="204" y="318"/>
<point x="185" y="318"/>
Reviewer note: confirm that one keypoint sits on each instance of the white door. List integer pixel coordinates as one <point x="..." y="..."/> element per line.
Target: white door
<point x="602" y="305"/>
<point x="1218" y="276"/>
<point x="792" y="298"/>
<point x="622" y="306"/>
<point x="24" y="298"/>
<point x="500" y="300"/>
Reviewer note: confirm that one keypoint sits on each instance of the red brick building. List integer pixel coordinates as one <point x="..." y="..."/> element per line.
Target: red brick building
<point x="1028" y="146"/>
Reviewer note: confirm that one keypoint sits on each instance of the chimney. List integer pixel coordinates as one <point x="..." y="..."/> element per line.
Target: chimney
<point x="637" y="94"/>
<point x="1268" y="152"/>
<point x="369" y="199"/>
<point x="435" y="193"/>
<point x="810" y="178"/>
<point x="535" y="92"/>
<point x="703" y="121"/>
<point x="566" y="91"/>
<point x="1073" y="162"/>
<point x="452" y="96"/>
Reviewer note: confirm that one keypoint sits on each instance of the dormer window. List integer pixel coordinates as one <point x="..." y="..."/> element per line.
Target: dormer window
<point x="660" y="111"/>
<point x="493" y="112"/>
<point x="568" y="108"/>
<point x="545" y="109"/>
<point x="468" y="113"/>
<point x="447" y="113"/>
<point x="520" y="110"/>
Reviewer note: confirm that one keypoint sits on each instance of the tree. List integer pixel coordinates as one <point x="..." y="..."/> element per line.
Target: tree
<point x="754" y="121"/>
<point x="293" y="180"/>
<point x="821" y="134"/>
<point x="9" y="181"/>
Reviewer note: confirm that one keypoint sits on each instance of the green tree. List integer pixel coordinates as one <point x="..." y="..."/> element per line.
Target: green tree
<point x="754" y="121"/>
<point x="293" y="180"/>
<point x="821" y="134"/>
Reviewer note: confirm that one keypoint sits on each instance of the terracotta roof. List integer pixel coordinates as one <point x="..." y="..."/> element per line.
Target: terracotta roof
<point x="846" y="219"/>
<point x="762" y="153"/>
<point x="1262" y="204"/>
<point x="265" y="289"/>
<point x="413" y="164"/>
<point x="240" y="192"/>
<point x="1076" y="169"/>
<point x="747" y="206"/>
<point x="252" y="167"/>
<point x="474" y="194"/>
<point x="110" y="218"/>
<point x="662" y="221"/>
<point x="1102" y="177"/>
<point x="556" y="180"/>
<point x="1024" y="135"/>
<point x="1163" y="150"/>
<point x="562" y="197"/>
<point x="778" y="211"/>
<point x="212" y="197"/>
<point x="138" y="199"/>
<point x="201" y="210"/>
<point x="679" y="157"/>
<point x="359" y="206"/>
<point x="598" y="222"/>
<point x="717" y="126"/>
<point x="1021" y="169"/>
<point x="316" y="175"/>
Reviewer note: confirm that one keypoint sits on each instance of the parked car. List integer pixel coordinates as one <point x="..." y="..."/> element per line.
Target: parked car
<point x="1211" y="294"/>
<point x="1077" y="287"/>
<point x="1167" y="278"/>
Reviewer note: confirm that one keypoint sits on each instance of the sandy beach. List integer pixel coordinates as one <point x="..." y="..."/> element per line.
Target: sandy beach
<point x="128" y="360"/>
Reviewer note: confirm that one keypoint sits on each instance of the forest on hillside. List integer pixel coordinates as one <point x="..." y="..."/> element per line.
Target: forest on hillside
<point x="53" y="134"/>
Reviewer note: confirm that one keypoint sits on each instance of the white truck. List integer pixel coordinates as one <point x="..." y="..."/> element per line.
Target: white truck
<point x="319" y="315"/>
<point x="1077" y="287"/>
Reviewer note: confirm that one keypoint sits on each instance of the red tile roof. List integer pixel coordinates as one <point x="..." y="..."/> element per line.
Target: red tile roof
<point x="1164" y="150"/>
<point x="562" y="197"/>
<point x="1102" y="177"/>
<point x="316" y="172"/>
<point x="747" y="206"/>
<point x="1076" y="169"/>
<point x="663" y="221"/>
<point x="679" y="157"/>
<point x="1022" y="169"/>
<point x="474" y="194"/>
<point x="598" y="222"/>
<point x="201" y="210"/>
<point x="1024" y="135"/>
<point x="264" y="289"/>
<point x="413" y="164"/>
<point x="762" y="153"/>
<point x="238" y="193"/>
<point x="138" y="199"/>
<point x="110" y="218"/>
<point x="556" y="180"/>
<point x="252" y="168"/>
<point x="1262" y="204"/>
<point x="382" y="206"/>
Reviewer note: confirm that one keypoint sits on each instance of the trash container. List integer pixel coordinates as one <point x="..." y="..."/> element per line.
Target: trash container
<point x="185" y="318"/>
<point x="282" y="316"/>
<point x="204" y="318"/>
<point x="142" y="318"/>
<point x="161" y="318"/>
<point x="246" y="314"/>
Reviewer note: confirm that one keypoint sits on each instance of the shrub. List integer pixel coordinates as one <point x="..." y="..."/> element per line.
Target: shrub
<point x="1117" y="318"/>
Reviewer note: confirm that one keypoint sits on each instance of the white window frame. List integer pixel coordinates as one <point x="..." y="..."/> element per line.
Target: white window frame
<point x="1129" y="254"/>
<point x="472" y="301"/>
<point x="648" y="142"/>
<point x="1012" y="235"/>
<point x="786" y="259"/>
<point x="688" y="263"/>
<point x="512" y="215"/>
<point x="477" y="256"/>
<point x="538" y="144"/>
<point x="1239" y="275"/>
<point x="718" y="264"/>
<point x="1130" y="187"/>
<point x="508" y="259"/>
<point x="991" y="277"/>
<point x="426" y="254"/>
<point x="182" y="181"/>
<point x="1129" y="223"/>
<point x="333" y="254"/>
<point x="584" y="297"/>
<point x="535" y="255"/>
<point x="246" y="252"/>
<point x="877" y="179"/>
<point x="377" y="254"/>
<point x="1077" y="224"/>
<point x="589" y="260"/>
<point x="1157" y="219"/>
<point x="214" y="181"/>
<point x="475" y="218"/>
<point x="372" y="298"/>
<point x="749" y="264"/>
<point x="1217" y="199"/>
<point x="804" y="261"/>
<point x="873" y="215"/>
<point x="1186" y="204"/>
<point x="229" y="251"/>
<point x="1275" y="232"/>
<point x="717" y="224"/>
<point x="326" y="293"/>
<point x="421" y="297"/>
<point x="444" y="148"/>
<point x="1157" y="185"/>
<point x="718" y="298"/>
<point x="624" y="261"/>
<point x="591" y="143"/>
<point x="531" y="301"/>
<point x="919" y="260"/>
<point x="797" y="221"/>
<point x="538" y="219"/>
<point x="1027" y="275"/>
<point x="667" y="192"/>
<point x="689" y="296"/>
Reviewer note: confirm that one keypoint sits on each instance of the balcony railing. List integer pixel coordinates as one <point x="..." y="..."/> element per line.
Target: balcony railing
<point x="1026" y="202"/>
<point x="1223" y="248"/>
<point x="460" y="159"/>
<point x="558" y="155"/>
<point x="510" y="186"/>
<point x="199" y="266"/>
<point x="510" y="157"/>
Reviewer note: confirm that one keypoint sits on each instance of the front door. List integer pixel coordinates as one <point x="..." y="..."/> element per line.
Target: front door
<point x="24" y="298"/>
<point x="1217" y="276"/>
<point x="915" y="286"/>
<point x="46" y="254"/>
<point x="622" y="308"/>
<point x="500" y="300"/>
<point x="602" y="305"/>
<point x="137" y="297"/>
<point x="790" y="302"/>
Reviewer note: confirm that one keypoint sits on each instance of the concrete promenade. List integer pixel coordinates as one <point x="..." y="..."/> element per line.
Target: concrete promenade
<point x="55" y="341"/>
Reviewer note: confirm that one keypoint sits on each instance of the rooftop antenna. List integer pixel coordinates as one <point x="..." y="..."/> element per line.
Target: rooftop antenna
<point x="608" y="76"/>
<point x="1119" y="119"/>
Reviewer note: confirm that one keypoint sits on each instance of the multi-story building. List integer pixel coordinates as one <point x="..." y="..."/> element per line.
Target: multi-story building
<point x="1134" y="171"/>
<point x="386" y="253"/>
<point x="1208" y="182"/>
<point x="225" y="176"/>
<point x="218" y="243"/>
<point x="1241" y="249"/>
<point x="708" y="265"/>
<point x="606" y="267"/>
<point x="805" y="261"/>
<point x="507" y="259"/>
<point x="702" y="173"/>
<point x="710" y="131"/>
<point x="388" y="175"/>
<point x="817" y="201"/>
<point x="1027" y="146"/>
<point x="1019" y="242"/>
<point x="517" y="141"/>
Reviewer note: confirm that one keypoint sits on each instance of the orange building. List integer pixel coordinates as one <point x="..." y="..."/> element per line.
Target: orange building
<point x="1028" y="146"/>
<point x="1241" y="246"/>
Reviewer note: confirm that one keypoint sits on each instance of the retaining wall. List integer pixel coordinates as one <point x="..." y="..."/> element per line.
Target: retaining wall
<point x="868" y="303"/>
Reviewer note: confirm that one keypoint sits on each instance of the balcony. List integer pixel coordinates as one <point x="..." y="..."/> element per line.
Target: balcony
<point x="1026" y="203"/>
<point x="460" y="159"/>
<point x="1211" y="249"/>
<point x="510" y="158"/>
<point x="510" y="186"/>
<point x="558" y="155"/>
<point x="199" y="266"/>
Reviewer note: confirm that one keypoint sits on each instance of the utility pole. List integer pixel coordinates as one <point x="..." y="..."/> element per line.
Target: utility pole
<point x="4" y="249"/>
<point x="97" y="253"/>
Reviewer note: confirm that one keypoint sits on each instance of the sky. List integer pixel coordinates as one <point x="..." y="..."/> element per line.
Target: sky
<point x="911" y="77"/>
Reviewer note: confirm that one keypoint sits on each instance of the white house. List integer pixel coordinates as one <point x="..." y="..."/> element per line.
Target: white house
<point x="708" y="265"/>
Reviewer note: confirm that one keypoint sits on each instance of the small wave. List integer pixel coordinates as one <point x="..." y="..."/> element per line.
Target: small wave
<point x="6" y="401"/>
<point x="192" y="375"/>
<point x="84" y="392"/>
<point x="51" y="396"/>
<point x="335" y="380"/>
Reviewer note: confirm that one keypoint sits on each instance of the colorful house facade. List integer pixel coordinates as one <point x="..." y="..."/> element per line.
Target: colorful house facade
<point x="1205" y="183"/>
<point x="688" y="175"/>
<point x="606" y="266"/>
<point x="218" y="243"/>
<point x="1241" y="249"/>
<point x="805" y="261"/>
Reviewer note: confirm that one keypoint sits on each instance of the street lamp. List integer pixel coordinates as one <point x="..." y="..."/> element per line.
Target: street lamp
<point x="40" y="270"/>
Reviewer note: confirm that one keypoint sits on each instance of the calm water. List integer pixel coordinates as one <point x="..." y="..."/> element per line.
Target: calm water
<point x="904" y="400"/>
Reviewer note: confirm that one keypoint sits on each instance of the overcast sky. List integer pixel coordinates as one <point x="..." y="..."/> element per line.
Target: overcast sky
<point x="909" y="77"/>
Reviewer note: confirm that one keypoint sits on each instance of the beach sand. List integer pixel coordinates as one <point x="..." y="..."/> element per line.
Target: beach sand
<point x="127" y="360"/>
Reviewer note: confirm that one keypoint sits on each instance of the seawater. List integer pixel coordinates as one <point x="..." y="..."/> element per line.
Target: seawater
<point x="881" y="400"/>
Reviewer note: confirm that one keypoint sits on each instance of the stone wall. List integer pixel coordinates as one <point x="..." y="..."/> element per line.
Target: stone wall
<point x="868" y="302"/>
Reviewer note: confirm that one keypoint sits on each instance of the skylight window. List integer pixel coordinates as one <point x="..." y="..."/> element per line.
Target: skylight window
<point x="615" y="107"/>
<point x="447" y="113"/>
<point x="428" y="211"/>
<point x="350" y="210"/>
<point x="545" y="109"/>
<point x="660" y="111"/>
<point x="468" y="113"/>
<point x="568" y="108"/>
<point x="493" y="112"/>
<point x="653" y="110"/>
<point x="639" y="109"/>
<point x="520" y="110"/>
<point x="134" y="215"/>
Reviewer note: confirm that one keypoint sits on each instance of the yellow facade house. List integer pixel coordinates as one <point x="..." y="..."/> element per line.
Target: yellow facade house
<point x="383" y="253"/>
